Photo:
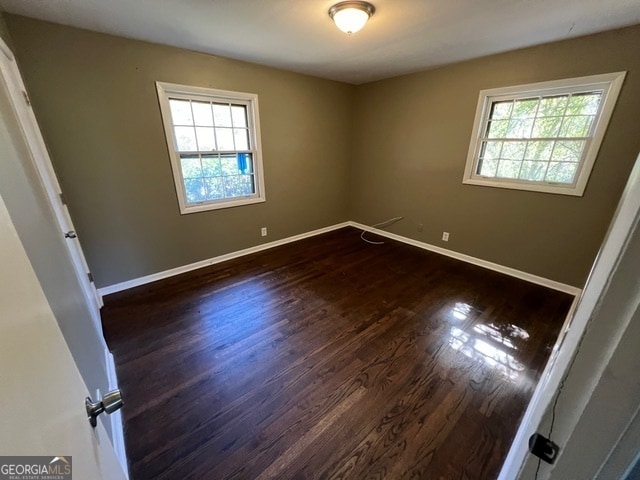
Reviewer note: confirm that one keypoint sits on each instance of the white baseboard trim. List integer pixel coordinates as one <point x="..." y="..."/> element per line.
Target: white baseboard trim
<point x="545" y="282"/>
<point x="212" y="261"/>
<point x="117" y="430"/>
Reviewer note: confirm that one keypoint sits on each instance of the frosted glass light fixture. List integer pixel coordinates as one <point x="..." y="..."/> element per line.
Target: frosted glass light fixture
<point x="351" y="16"/>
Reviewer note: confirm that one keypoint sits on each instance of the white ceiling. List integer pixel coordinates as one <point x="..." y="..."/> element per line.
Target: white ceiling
<point x="403" y="36"/>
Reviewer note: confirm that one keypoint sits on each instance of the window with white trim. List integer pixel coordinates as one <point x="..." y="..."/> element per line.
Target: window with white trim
<point x="213" y="137"/>
<point x="542" y="137"/>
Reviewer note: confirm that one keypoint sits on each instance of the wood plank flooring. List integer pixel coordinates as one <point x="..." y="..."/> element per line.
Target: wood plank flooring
<point x="329" y="358"/>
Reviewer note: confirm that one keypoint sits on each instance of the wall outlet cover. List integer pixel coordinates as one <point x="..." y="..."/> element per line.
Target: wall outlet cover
<point x="543" y="448"/>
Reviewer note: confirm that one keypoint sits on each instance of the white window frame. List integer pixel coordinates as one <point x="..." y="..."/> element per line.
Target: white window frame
<point x="168" y="91"/>
<point x="610" y="85"/>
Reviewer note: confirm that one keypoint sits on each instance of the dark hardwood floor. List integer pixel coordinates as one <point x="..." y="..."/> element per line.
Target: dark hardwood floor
<point x="329" y="358"/>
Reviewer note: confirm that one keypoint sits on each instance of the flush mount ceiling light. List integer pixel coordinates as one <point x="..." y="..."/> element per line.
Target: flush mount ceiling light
<point x="351" y="16"/>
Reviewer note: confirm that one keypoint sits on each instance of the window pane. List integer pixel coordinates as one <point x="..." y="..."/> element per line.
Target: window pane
<point x="206" y="140"/>
<point x="569" y="151"/>
<point x="519" y="128"/>
<point x="576" y="126"/>
<point x="239" y="115"/>
<point x="508" y="169"/>
<point x="185" y="139"/>
<point x="539" y="150"/>
<point x="238" y="185"/>
<point x="245" y="163"/>
<point x="202" y="114"/>
<point x="497" y="128"/>
<point x="584" y="104"/>
<point x="533" y="171"/>
<point x="491" y="150"/>
<point x="224" y="136"/>
<point x="553" y="106"/>
<point x="561" y="172"/>
<point x="247" y="184"/>
<point x="214" y="188"/>
<point x="488" y="168"/>
<point x="221" y="115"/>
<point x="194" y="189"/>
<point x="513" y="150"/>
<point x="211" y="166"/>
<point x="501" y="110"/>
<point x="191" y="167"/>
<point x="181" y="112"/>
<point x="241" y="137"/>
<point x="546" y="127"/>
<point x="526" y="108"/>
<point x="229" y="164"/>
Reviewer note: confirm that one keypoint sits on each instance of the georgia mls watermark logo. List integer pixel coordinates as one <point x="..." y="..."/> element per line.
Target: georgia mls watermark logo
<point x="35" y="468"/>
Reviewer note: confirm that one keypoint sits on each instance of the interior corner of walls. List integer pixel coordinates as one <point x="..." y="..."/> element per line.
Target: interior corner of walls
<point x="295" y="203"/>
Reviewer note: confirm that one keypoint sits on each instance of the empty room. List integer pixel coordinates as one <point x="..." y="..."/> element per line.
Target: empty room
<point x="320" y="240"/>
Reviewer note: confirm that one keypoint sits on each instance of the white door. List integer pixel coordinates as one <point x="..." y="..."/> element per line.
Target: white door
<point x="40" y="157"/>
<point x="42" y="394"/>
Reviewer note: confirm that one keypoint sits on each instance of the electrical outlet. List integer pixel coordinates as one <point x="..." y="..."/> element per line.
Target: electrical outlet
<point x="445" y="236"/>
<point x="420" y="227"/>
<point x="543" y="448"/>
<point x="263" y="231"/>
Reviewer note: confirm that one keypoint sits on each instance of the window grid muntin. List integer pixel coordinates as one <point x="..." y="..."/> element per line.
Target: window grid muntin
<point x="493" y="102"/>
<point x="167" y="91"/>
<point x="246" y="173"/>
<point x="611" y="85"/>
<point x="247" y="129"/>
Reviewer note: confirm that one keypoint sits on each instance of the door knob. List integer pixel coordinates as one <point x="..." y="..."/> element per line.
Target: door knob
<point x="110" y="402"/>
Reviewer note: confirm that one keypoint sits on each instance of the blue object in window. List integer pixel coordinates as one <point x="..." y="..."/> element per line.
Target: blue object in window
<point x="242" y="162"/>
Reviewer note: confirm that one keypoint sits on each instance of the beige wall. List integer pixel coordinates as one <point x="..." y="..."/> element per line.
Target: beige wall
<point x="411" y="145"/>
<point x="332" y="152"/>
<point x="95" y="98"/>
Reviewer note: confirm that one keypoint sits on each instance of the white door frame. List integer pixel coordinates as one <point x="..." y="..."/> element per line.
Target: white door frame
<point x="42" y="163"/>
<point x="616" y="239"/>
<point x="38" y="154"/>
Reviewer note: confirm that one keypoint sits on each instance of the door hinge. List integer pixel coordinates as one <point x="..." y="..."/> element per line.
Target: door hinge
<point x="26" y="98"/>
<point x="90" y="277"/>
<point x="62" y="199"/>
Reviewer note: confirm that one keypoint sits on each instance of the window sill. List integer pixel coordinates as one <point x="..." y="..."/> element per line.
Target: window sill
<point x="203" y="207"/>
<point x="558" y="189"/>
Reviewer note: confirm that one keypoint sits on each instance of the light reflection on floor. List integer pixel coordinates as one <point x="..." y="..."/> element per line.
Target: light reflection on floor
<point x="492" y="345"/>
<point x="217" y="312"/>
